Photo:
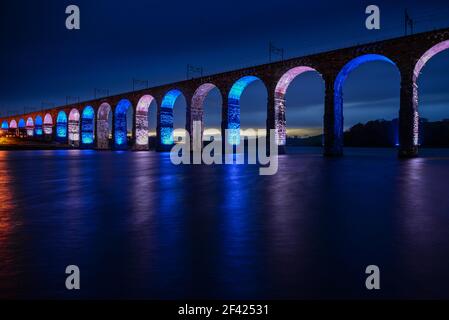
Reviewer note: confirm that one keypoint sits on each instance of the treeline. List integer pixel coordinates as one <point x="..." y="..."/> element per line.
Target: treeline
<point x="383" y="133"/>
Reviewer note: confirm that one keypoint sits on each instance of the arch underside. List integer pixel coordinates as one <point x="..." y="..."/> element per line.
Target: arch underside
<point x="197" y="112"/>
<point x="338" y="93"/>
<point x="142" y="122"/>
<point x="87" y="125"/>
<point x="429" y="54"/>
<point x="167" y="116"/>
<point x="280" y="122"/>
<point x="103" y="126"/>
<point x="38" y="126"/>
<point x="234" y="108"/>
<point x="48" y="124"/>
<point x="30" y="127"/>
<point x="61" y="125"/>
<point x="74" y="127"/>
<point x="13" y="124"/>
<point x="121" y="129"/>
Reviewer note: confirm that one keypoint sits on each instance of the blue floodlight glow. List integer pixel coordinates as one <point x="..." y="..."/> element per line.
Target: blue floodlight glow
<point x="166" y="116"/>
<point x="87" y="125"/>
<point x="38" y="126"/>
<point x="21" y="124"/>
<point x="338" y="87"/>
<point x="61" y="125"/>
<point x="5" y="125"/>
<point x="234" y="108"/>
<point x="120" y="122"/>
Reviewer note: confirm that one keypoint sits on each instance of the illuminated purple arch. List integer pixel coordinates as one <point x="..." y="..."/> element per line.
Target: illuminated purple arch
<point x="166" y="116"/>
<point x="48" y="124"/>
<point x="120" y="124"/>
<point x="338" y="89"/>
<point x="30" y="127"/>
<point x="280" y="123"/>
<point x="88" y="125"/>
<point x="444" y="45"/>
<point x="5" y="125"/>
<point x="427" y="56"/>
<point x="74" y="127"/>
<point x="13" y="124"/>
<point x="234" y="107"/>
<point x="103" y="126"/>
<point x="142" y="121"/>
<point x="38" y="126"/>
<point x="197" y="108"/>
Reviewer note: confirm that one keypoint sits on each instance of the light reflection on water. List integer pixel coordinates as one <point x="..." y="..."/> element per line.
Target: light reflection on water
<point x="140" y="227"/>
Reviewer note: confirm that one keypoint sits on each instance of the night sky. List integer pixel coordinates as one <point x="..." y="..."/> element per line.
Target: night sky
<point x="42" y="61"/>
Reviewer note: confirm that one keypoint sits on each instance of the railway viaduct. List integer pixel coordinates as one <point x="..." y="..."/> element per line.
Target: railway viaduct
<point x="86" y="124"/>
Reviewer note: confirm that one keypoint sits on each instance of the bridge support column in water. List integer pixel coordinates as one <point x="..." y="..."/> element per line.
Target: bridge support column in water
<point x="333" y="119"/>
<point x="408" y="117"/>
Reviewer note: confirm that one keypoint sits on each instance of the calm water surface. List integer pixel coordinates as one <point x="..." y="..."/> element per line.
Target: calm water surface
<point x="140" y="227"/>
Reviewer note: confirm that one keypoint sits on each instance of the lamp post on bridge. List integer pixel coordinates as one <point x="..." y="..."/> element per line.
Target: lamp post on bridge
<point x="72" y="99"/>
<point x="140" y="83"/>
<point x="273" y="50"/>
<point x="192" y="70"/>
<point x="101" y="93"/>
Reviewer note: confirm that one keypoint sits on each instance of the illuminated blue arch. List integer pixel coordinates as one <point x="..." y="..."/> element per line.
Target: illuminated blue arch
<point x="5" y="125"/>
<point x="338" y="88"/>
<point x="234" y="108"/>
<point x="21" y="124"/>
<point x="38" y="126"/>
<point x="166" y="120"/>
<point x="121" y="123"/>
<point x="87" y="125"/>
<point x="61" y="125"/>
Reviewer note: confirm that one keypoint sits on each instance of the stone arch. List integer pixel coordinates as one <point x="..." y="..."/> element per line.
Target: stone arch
<point x="103" y="126"/>
<point x="21" y="124"/>
<point x="13" y="124"/>
<point x="142" y="127"/>
<point x="74" y="127"/>
<point x="61" y="126"/>
<point x="48" y="124"/>
<point x="197" y="109"/>
<point x="234" y="107"/>
<point x="88" y="125"/>
<point x="30" y="127"/>
<point x="420" y="64"/>
<point x="121" y="125"/>
<point x="444" y="45"/>
<point x="38" y="126"/>
<point x="166" y="117"/>
<point x="338" y="92"/>
<point x="280" y="123"/>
